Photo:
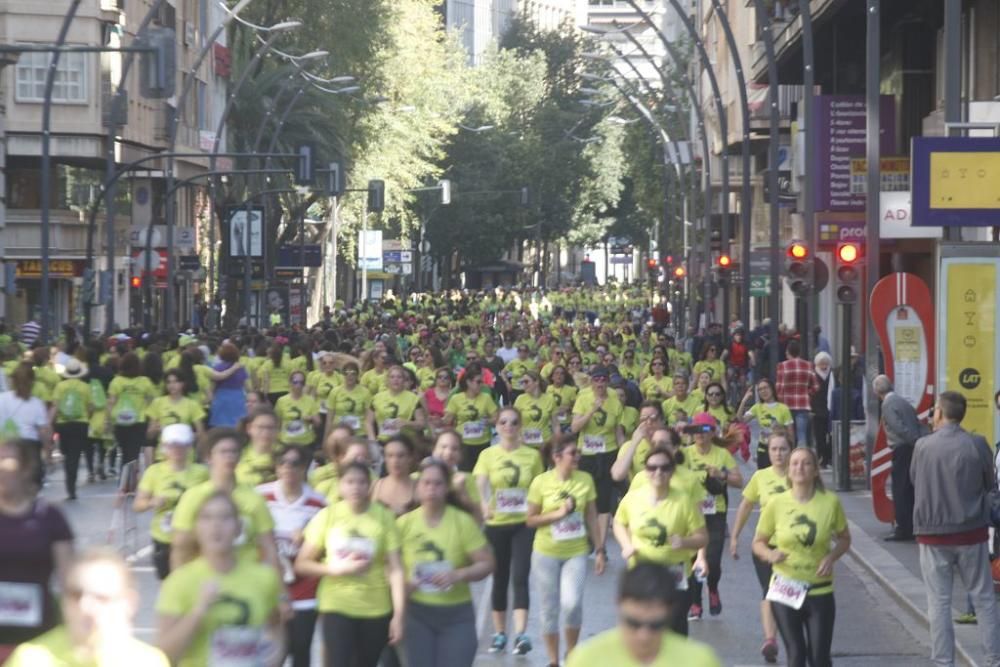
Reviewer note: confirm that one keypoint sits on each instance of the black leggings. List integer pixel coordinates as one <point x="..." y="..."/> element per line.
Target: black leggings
<point x="512" y="550"/>
<point x="763" y="570"/>
<point x="470" y="454"/>
<point x="131" y="439"/>
<point x="354" y="642"/>
<point x="679" y="616"/>
<point x="161" y="559"/>
<point x="807" y="632"/>
<point x="299" y="632"/>
<point x="72" y="444"/>
<point x="716" y="525"/>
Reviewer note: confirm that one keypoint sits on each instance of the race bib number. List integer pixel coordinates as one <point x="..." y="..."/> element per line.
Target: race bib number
<point x="352" y="548"/>
<point x="389" y="427"/>
<point x="593" y="444"/>
<point x="473" y="430"/>
<point x="165" y="522"/>
<point x="424" y="572"/>
<point x="680" y="579"/>
<point x="512" y="501"/>
<point x="125" y="418"/>
<point x="236" y="647"/>
<point x="295" y="428"/>
<point x="20" y="604"/>
<point x="351" y="420"/>
<point x="789" y="592"/>
<point x="570" y="527"/>
<point x="707" y="505"/>
<point x="532" y="436"/>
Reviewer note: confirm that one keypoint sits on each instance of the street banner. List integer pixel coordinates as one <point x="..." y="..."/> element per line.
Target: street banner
<point x="955" y="181"/>
<point x="902" y="313"/>
<point x="968" y="349"/>
<point x="244" y="235"/>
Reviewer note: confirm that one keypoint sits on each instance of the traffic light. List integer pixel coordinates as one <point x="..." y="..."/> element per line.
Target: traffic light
<point x="334" y="179"/>
<point x="158" y="64"/>
<point x="89" y="289"/>
<point x="679" y="273"/>
<point x="305" y="167"/>
<point x="136" y="282"/>
<point x="445" y="186"/>
<point x="725" y="262"/>
<point x="652" y="270"/>
<point x="848" y="272"/>
<point x="376" y="196"/>
<point x="799" y="268"/>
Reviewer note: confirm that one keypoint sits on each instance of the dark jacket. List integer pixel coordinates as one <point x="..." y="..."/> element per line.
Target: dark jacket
<point x="952" y="471"/>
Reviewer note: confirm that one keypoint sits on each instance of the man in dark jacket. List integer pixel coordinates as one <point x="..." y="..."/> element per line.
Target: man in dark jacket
<point x="902" y="429"/>
<point x="952" y="473"/>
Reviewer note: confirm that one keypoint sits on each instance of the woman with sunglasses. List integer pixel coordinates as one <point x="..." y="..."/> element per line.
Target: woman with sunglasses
<point x="353" y="546"/>
<point x="375" y="379"/>
<point x="348" y="403"/>
<point x="716" y="469"/>
<point x="770" y="415"/>
<point x="292" y="505"/>
<point x="435" y="398"/>
<point x="393" y="409"/>
<point x="471" y="411"/>
<point x="711" y="363"/>
<point x="630" y="368"/>
<point x="682" y="401"/>
<point x="716" y="405"/>
<point x="801" y="590"/>
<point x="658" y="523"/>
<point x="657" y="385"/>
<point x="257" y="462"/>
<point x="765" y="484"/>
<point x="538" y="411"/>
<point x="563" y="393"/>
<point x="221" y="604"/>
<point x="298" y="414"/>
<point x="561" y="509"/>
<point x="504" y="474"/>
<point x="425" y="375"/>
<point x="443" y="551"/>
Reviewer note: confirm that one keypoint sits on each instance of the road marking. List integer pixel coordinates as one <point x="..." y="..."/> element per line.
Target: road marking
<point x="139" y="554"/>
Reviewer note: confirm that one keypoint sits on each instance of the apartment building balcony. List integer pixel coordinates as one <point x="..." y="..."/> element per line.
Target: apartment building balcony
<point x="22" y="232"/>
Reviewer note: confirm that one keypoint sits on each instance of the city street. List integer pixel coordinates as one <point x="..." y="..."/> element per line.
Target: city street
<point x="871" y="627"/>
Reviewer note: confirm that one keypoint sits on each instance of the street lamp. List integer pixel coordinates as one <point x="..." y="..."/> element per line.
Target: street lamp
<point x="475" y="130"/>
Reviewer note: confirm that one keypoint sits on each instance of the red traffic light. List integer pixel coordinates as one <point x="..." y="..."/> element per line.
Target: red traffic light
<point x="679" y="272"/>
<point x="670" y="259"/>
<point x="651" y="264"/>
<point x="725" y="261"/>
<point x="848" y="253"/>
<point x="797" y="250"/>
<point x="136" y="281"/>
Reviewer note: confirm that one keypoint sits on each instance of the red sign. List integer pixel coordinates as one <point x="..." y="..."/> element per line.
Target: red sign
<point x="158" y="263"/>
<point x="223" y="59"/>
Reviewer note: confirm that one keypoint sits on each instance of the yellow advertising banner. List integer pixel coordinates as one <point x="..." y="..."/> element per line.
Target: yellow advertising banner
<point x="965" y="180"/>
<point x="971" y="339"/>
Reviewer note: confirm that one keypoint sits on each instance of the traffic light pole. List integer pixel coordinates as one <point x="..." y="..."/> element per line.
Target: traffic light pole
<point x="843" y="444"/>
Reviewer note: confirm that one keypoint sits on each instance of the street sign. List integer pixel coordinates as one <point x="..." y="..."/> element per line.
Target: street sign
<point x="399" y="269"/>
<point x="760" y="286"/>
<point x="189" y="262"/>
<point x="397" y="256"/>
<point x="954" y="181"/>
<point x="243" y="235"/>
<point x="370" y="250"/>
<point x="627" y="259"/>
<point x="291" y="254"/>
<point x="183" y="237"/>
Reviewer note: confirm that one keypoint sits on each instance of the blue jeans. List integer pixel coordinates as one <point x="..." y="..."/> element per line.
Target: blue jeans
<point x="801" y="419"/>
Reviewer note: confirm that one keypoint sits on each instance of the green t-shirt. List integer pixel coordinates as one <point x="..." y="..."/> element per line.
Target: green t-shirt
<point x="255" y="468"/>
<point x="349" y="406"/>
<point x="769" y="415"/>
<point x="599" y="434"/>
<point x="72" y="401"/>
<point x="295" y="415"/>
<point x="691" y="405"/>
<point x="608" y="649"/>
<point x="536" y="418"/>
<point x="131" y="396"/>
<point x="472" y="416"/>
<point x="55" y="649"/>
<point x="510" y="474"/>
<point x="390" y="409"/>
<point x="567" y="537"/>
<point x="160" y="480"/>
<point x="429" y="550"/>
<point x="764" y="485"/>
<point x="717" y="457"/>
<point x="255" y="518"/>
<point x="651" y="524"/>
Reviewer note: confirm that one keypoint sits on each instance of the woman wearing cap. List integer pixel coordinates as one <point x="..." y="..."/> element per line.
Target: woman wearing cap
<point x="563" y="393"/>
<point x="298" y="414"/>
<point x="174" y="408"/>
<point x="348" y="403"/>
<point x="717" y="470"/>
<point x="71" y="417"/>
<point x="762" y="487"/>
<point x="597" y="419"/>
<point x="770" y="416"/>
<point x="471" y="411"/>
<point x="801" y="590"/>
<point x="161" y="487"/>
<point x="538" y="411"/>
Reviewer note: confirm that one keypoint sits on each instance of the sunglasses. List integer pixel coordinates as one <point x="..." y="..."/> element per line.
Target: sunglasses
<point x="599" y="378"/>
<point x="665" y="467"/>
<point x="716" y="394"/>
<point x="443" y="377"/>
<point x="508" y="422"/>
<point x="658" y="364"/>
<point x="297" y="382"/>
<point x="659" y="625"/>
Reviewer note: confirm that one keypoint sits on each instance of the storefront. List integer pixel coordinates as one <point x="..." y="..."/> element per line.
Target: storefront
<point x="65" y="280"/>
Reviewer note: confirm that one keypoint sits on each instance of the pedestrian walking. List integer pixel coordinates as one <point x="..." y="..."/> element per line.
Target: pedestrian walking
<point x="902" y="429"/>
<point x="795" y="383"/>
<point x="952" y="473"/>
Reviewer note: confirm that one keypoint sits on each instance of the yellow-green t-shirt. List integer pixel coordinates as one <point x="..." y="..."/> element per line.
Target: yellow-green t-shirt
<point x="339" y="533"/>
<point x="567" y="537"/>
<point x="722" y="416"/>
<point x="55" y="649"/>
<point x="203" y="374"/>
<point x="349" y="406"/>
<point x="255" y="468"/>
<point x="803" y="531"/>
<point x="248" y="597"/>
<point x="563" y="397"/>
<point x="295" y="415"/>
<point x="691" y="405"/>
<point x="71" y="399"/>
<point x="510" y="474"/>
<point x="715" y="368"/>
<point x="160" y="480"/>
<point x="638" y="463"/>
<point x="764" y="485"/>
<point x="388" y="408"/>
<point x="599" y="433"/>
<point x="630" y="420"/>
<point x="374" y="381"/>
<point x="472" y="416"/>
<point x="429" y="550"/>
<point x="608" y="648"/>
<point x="277" y="376"/>
<point x="717" y="457"/>
<point x="255" y="518"/>
<point x="426" y="377"/>
<point x="769" y="415"/>
<point x="654" y="389"/>
<point x="515" y="370"/>
<point x="536" y="418"/>
<point x="132" y="396"/>
<point x="651" y="525"/>
<point x="322" y="384"/>
<point x="165" y="411"/>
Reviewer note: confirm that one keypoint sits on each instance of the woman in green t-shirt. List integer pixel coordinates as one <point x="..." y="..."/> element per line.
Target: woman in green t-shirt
<point x="770" y="415"/>
<point x="128" y="396"/>
<point x="443" y="550"/>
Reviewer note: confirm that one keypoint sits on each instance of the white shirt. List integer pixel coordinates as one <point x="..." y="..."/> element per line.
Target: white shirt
<point x="28" y="416"/>
<point x="508" y="354"/>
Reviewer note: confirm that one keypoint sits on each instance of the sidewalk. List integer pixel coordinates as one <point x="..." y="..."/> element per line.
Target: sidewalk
<point x="896" y="566"/>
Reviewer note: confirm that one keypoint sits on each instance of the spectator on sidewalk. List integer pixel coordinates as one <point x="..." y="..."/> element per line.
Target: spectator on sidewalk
<point x="902" y="430"/>
<point x="952" y="472"/>
<point x="795" y="383"/>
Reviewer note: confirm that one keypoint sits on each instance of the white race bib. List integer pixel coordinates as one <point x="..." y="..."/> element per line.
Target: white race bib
<point x="125" y="417"/>
<point x="473" y="430"/>
<point x="593" y="444"/>
<point x="789" y="592"/>
<point x="532" y="436"/>
<point x="351" y="548"/>
<point x="511" y="501"/>
<point x="388" y="427"/>
<point x="570" y="527"/>
<point x="295" y="427"/>
<point x="707" y="505"/>
<point x="165" y="522"/>
<point x="20" y="604"/>
<point x="423" y="572"/>
<point x="234" y="646"/>
<point x="680" y="579"/>
<point x="351" y="420"/>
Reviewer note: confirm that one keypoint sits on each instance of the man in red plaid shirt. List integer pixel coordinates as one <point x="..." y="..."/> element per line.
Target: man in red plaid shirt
<point x="796" y="381"/>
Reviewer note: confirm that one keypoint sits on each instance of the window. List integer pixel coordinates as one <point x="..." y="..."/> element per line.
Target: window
<point x="70" y="86"/>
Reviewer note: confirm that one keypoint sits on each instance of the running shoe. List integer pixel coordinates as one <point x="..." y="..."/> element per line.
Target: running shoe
<point x="714" y="603"/>
<point x="770" y="651"/>
<point x="694" y="613"/>
<point x="522" y="645"/>
<point x="499" y="642"/>
<point x="968" y="618"/>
